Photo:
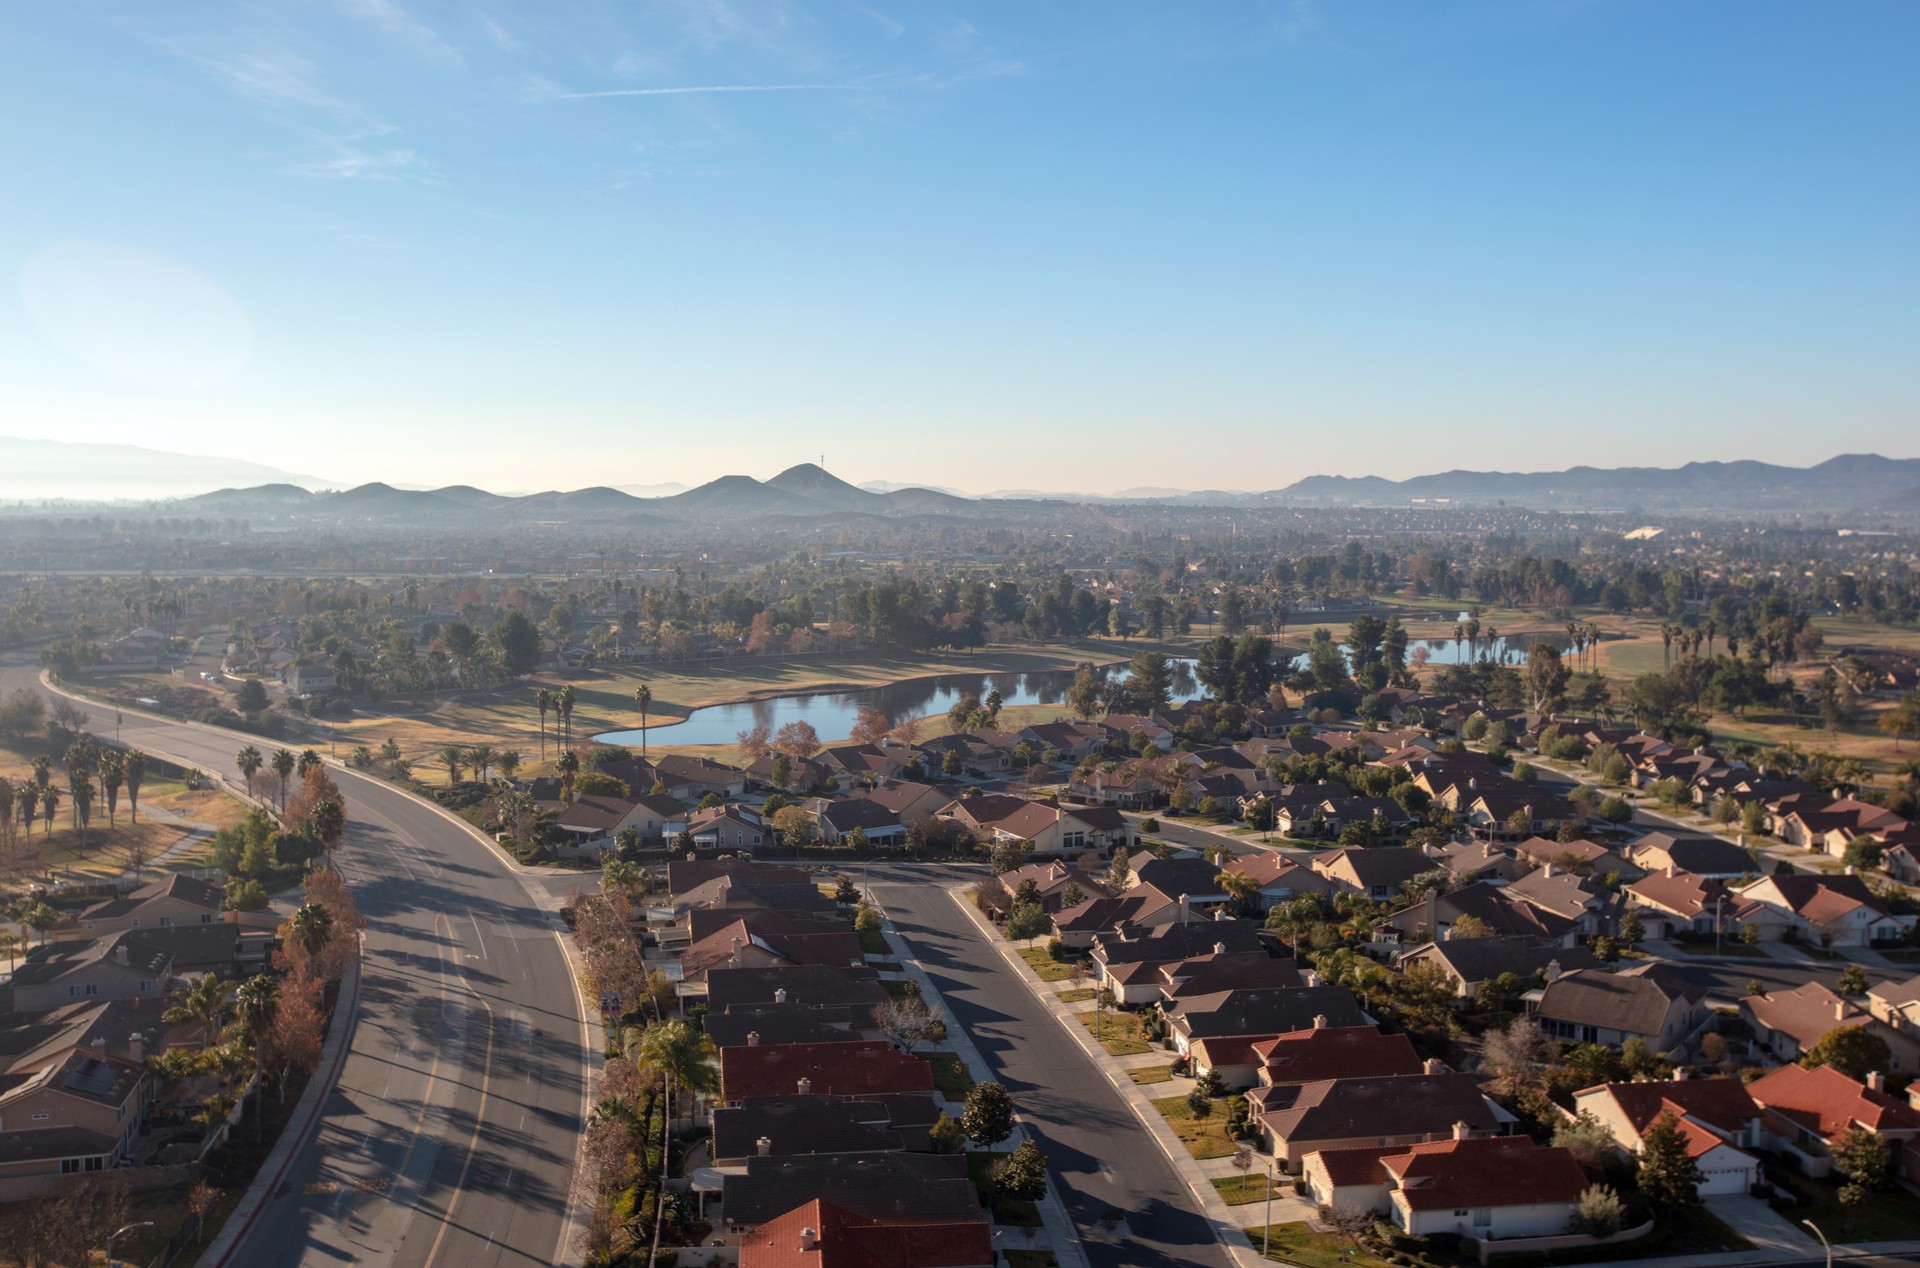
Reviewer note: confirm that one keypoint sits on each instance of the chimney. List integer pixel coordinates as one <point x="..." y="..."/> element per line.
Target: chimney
<point x="1679" y="1074"/>
<point x="780" y="996"/>
<point x="753" y="1039"/>
<point x="1876" y="1081"/>
<point x="808" y="1239"/>
<point x="1186" y="908"/>
<point x="1433" y="911"/>
<point x="1433" y="1065"/>
<point x="137" y="1046"/>
<point x="1670" y="871"/>
<point x="1461" y="1131"/>
<point x="1839" y="1010"/>
<point x="99" y="1047"/>
<point x="1219" y="913"/>
<point x="734" y="960"/>
<point x="763" y="1147"/>
<point x="806" y="1087"/>
<point x="120" y="953"/>
<point x="1547" y="871"/>
<point x="1553" y="969"/>
<point x="1319" y="1021"/>
<point x="1311" y="978"/>
<point x="1219" y="948"/>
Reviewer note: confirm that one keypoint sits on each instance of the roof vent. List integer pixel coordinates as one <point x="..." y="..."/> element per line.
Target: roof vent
<point x="1320" y="1021"/>
<point x="763" y="1146"/>
<point x="806" y="1087"/>
<point x="1219" y="948"/>
<point x="780" y="996"/>
<point x="1461" y="1131"/>
<point x="753" y="1039"/>
<point x="808" y="1239"/>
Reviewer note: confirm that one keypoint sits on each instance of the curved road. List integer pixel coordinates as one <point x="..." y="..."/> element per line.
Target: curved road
<point x="450" y="1137"/>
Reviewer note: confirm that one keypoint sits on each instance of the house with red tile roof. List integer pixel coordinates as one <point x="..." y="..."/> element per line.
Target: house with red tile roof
<point x="862" y="1068"/>
<point x="1488" y="1188"/>
<point x="822" y="1235"/>
<point x="1717" y="1118"/>
<point x="1787" y="1025"/>
<point x="1333" y="1052"/>
<point x="1809" y="1110"/>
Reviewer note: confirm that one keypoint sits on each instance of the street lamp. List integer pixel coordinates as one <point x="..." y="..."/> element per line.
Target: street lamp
<point x="1266" y="1230"/>
<point x="125" y="1228"/>
<point x="1823" y="1240"/>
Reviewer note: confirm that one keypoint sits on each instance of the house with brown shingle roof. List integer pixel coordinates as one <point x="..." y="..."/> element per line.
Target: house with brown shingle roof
<point x="861" y="1068"/>
<point x="1407" y="1109"/>
<point x="1590" y="1006"/>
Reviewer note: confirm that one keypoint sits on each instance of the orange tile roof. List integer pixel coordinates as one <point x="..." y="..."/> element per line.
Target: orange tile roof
<point x="842" y="1239"/>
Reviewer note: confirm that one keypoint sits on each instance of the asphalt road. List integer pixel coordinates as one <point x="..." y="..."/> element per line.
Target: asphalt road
<point x="1102" y="1158"/>
<point x="451" y="1135"/>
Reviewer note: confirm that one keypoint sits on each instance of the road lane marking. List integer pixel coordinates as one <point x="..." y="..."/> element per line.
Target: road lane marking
<point x="473" y="1139"/>
<point x="475" y="922"/>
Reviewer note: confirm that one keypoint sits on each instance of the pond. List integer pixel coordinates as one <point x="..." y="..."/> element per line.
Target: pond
<point x="832" y="712"/>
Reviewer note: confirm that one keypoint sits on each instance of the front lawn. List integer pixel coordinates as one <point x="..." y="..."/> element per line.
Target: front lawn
<point x="1203" y="1137"/>
<point x="950" y="1074"/>
<point x="1150" y="1073"/>
<point x="1078" y="995"/>
<point x="874" y="942"/>
<point x="1045" y="966"/>
<point x="1007" y="1212"/>
<point x="1120" y="1033"/>
<point x="1297" y="1244"/>
<point x="1887" y="1217"/>
<point x="1240" y="1190"/>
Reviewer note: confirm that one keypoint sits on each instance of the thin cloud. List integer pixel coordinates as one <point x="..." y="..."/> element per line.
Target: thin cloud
<point x="704" y="88"/>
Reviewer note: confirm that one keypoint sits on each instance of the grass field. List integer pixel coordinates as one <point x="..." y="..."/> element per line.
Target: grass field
<point x="1203" y="1137"/>
<point x="508" y="718"/>
<point x="1119" y="1032"/>
<point x="950" y="1074"/>
<point x="1240" y="1190"/>
<point x="1078" y="995"/>
<point x="1145" y="1074"/>
<point x="1297" y="1244"/>
<point x="1045" y="966"/>
<point x="105" y="850"/>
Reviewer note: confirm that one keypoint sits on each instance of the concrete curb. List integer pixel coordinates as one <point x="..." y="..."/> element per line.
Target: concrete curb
<point x="1226" y="1229"/>
<point x="306" y="1115"/>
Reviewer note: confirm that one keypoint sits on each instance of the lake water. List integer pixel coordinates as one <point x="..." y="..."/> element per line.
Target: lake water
<point x="832" y="712"/>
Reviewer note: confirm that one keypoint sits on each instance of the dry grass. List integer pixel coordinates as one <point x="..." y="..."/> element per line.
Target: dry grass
<point x="1118" y="1032"/>
<point x="1203" y="1137"/>
<point x="604" y="698"/>
<point x="1145" y="1074"/>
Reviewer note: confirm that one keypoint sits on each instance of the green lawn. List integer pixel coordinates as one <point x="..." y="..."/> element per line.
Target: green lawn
<point x="1240" y="1190"/>
<point x="874" y="942"/>
<point x="1887" y="1217"/>
<point x="1045" y="966"/>
<point x="1151" y="1073"/>
<point x="950" y="1074"/>
<point x="1203" y="1137"/>
<point x="1297" y="1244"/>
<point x="1079" y="995"/>
<point x="1119" y="1032"/>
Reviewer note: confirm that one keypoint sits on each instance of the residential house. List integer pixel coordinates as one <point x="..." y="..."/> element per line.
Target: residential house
<point x="1584" y="900"/>
<point x="816" y="985"/>
<point x="1469" y="963"/>
<point x="1807" y="1112"/>
<point x="1262" y="1011"/>
<point x="804" y="775"/>
<point x="1838" y="911"/>
<point x="861" y="1068"/>
<point x="1591" y="1006"/>
<point x="693" y="778"/>
<point x="876" y="822"/>
<point x="1491" y="907"/>
<point x="727" y="827"/>
<point x="1674" y="903"/>
<point x="1587" y="858"/>
<point x="1128" y="959"/>
<point x="1489" y="1189"/>
<point x="1300" y="1119"/>
<point x="1142" y="907"/>
<point x="174" y="899"/>
<point x="592" y="818"/>
<point x="1715" y="858"/>
<point x="1279" y="878"/>
<point x="311" y="680"/>
<point x="819" y="1234"/>
<point x="908" y="799"/>
<point x="1716" y="1117"/>
<point x="898" y="1186"/>
<point x="1053" y="880"/>
<point x="852" y="764"/>
<point x="1377" y="873"/>
<point x="751" y="1025"/>
<point x="770" y="1126"/>
<point x="1787" y="1025"/>
<point x="1333" y="1052"/>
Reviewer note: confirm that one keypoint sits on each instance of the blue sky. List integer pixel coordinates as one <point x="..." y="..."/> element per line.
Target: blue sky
<point x="989" y="245"/>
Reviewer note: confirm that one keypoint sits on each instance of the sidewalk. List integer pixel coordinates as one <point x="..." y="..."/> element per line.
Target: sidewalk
<point x="1198" y="1175"/>
<point x="1062" y="1237"/>
<point x="333" y="1055"/>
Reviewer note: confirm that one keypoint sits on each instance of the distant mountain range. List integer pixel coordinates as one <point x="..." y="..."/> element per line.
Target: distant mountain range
<point x="48" y="470"/>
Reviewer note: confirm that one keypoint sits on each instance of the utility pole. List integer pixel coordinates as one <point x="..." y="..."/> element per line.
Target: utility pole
<point x="1266" y="1228"/>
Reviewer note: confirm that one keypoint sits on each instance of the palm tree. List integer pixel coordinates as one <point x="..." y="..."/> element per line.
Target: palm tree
<point x="456" y="759"/>
<point x="569" y="765"/>
<point x="49" y="807"/>
<point x="312" y="925"/>
<point x="29" y="798"/>
<point x="479" y="759"/>
<point x="201" y="1002"/>
<point x="284" y="763"/>
<point x="679" y="1057"/>
<point x="258" y="1004"/>
<point x="43" y="771"/>
<point x="543" y="700"/>
<point x="643" y="696"/>
<point x="249" y="763"/>
<point x="565" y="703"/>
<point x="309" y="761"/>
<point x="508" y="761"/>
<point x="6" y="810"/>
<point x="40" y="918"/>
<point x="81" y="785"/>
<point x="113" y="773"/>
<point x="329" y="823"/>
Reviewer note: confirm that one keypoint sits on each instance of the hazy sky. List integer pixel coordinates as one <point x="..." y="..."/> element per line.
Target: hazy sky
<point x="985" y="245"/>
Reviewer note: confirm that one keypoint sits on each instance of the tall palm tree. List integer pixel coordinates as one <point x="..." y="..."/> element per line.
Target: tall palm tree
<point x="565" y="703"/>
<point x="679" y="1057"/>
<point x="284" y="763"/>
<point x="543" y="700"/>
<point x="249" y="762"/>
<point x="258" y="1003"/>
<point x="49" y="807"/>
<point x="643" y="696"/>
<point x="29" y="797"/>
<point x="6" y="811"/>
<point x="479" y="759"/>
<point x="43" y="771"/>
<point x="201" y="1002"/>
<point x="113" y="773"/>
<point x="309" y="760"/>
<point x="80" y="783"/>
<point x="456" y="758"/>
<point x="508" y="761"/>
